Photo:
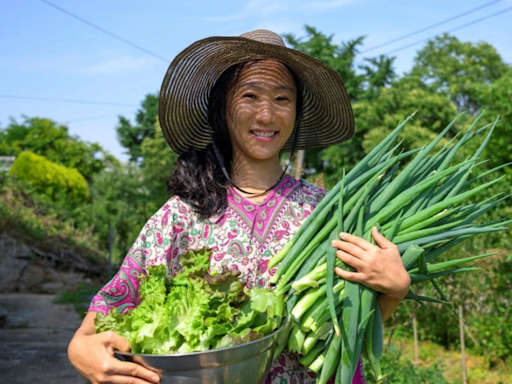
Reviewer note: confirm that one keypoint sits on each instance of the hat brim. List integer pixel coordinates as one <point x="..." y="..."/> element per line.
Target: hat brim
<point x="327" y="117"/>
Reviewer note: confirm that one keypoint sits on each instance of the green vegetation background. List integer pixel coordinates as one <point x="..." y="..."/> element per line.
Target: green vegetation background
<point x="60" y="185"/>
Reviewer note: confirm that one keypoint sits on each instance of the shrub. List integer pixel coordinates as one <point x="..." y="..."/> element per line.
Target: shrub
<point x="399" y="370"/>
<point x="51" y="179"/>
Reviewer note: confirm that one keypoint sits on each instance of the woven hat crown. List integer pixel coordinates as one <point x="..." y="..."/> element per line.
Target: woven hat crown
<point x="326" y="118"/>
<point x="264" y="36"/>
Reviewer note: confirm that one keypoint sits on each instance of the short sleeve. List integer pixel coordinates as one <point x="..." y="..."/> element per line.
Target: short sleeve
<point x="151" y="246"/>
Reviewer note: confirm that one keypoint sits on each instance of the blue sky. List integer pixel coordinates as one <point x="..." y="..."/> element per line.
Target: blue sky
<point x="48" y="54"/>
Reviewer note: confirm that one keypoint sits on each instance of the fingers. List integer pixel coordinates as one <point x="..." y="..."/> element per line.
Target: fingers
<point x="115" y="341"/>
<point x="349" y="246"/>
<point x="134" y="373"/>
<point x="350" y="260"/>
<point x="381" y="240"/>
<point x="356" y="240"/>
<point x="129" y="380"/>
<point x="349" y="276"/>
<point x="126" y="372"/>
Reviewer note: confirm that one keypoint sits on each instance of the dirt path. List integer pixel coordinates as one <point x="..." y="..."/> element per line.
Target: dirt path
<point x="34" y="339"/>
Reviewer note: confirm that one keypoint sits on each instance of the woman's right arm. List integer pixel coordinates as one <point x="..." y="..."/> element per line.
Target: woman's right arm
<point x="93" y="354"/>
<point x="93" y="357"/>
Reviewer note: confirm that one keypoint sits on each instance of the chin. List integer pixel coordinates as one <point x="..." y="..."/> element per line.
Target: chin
<point x="263" y="156"/>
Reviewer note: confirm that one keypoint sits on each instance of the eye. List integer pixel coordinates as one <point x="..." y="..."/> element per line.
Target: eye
<point x="282" y="98"/>
<point x="249" y="95"/>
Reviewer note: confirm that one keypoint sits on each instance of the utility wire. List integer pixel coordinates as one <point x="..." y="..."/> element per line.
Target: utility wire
<point x="432" y="26"/>
<point x="106" y="32"/>
<point x="167" y="61"/>
<point x="15" y="97"/>
<point x="451" y="30"/>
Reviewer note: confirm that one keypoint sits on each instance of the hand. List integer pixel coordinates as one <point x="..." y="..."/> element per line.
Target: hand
<point x="378" y="267"/>
<point x="93" y="356"/>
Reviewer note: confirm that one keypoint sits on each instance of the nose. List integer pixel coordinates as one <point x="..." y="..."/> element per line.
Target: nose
<point x="265" y="113"/>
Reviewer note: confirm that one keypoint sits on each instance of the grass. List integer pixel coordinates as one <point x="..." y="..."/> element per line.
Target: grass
<point x="79" y="298"/>
<point x="477" y="367"/>
<point x="32" y="219"/>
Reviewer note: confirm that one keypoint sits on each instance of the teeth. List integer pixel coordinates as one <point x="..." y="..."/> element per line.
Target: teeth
<point x="264" y="134"/>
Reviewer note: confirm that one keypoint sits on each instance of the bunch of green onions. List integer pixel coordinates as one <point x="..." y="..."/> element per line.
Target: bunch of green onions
<point x="422" y="208"/>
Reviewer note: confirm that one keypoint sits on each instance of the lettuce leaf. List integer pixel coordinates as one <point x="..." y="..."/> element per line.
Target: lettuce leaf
<point x="195" y="311"/>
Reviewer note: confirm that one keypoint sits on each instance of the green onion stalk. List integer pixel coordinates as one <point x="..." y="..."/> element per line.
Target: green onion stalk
<point x="424" y="207"/>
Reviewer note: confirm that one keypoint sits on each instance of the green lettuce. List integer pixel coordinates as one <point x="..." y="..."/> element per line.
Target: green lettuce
<point x="196" y="311"/>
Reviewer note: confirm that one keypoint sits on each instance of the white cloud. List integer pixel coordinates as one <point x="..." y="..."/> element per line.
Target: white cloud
<point x="266" y="8"/>
<point x="116" y="65"/>
<point x="277" y="8"/>
<point x="252" y="8"/>
<point x="281" y="26"/>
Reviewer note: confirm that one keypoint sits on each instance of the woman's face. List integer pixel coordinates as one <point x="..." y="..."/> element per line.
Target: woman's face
<point x="261" y="110"/>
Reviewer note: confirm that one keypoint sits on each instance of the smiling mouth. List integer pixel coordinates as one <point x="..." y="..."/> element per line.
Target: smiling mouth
<point x="264" y="134"/>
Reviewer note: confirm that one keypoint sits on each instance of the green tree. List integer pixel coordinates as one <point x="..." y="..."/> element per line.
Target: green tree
<point x="339" y="57"/>
<point x="475" y="78"/>
<point x="124" y="197"/>
<point x="363" y="81"/>
<point x="496" y="98"/>
<point x="47" y="138"/>
<point x="120" y="200"/>
<point x="458" y="69"/>
<point x="158" y="161"/>
<point x="131" y="135"/>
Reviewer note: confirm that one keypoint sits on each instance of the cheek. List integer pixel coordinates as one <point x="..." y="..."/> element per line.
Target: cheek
<point x="235" y="129"/>
<point x="231" y="120"/>
<point x="289" y="120"/>
<point x="239" y="116"/>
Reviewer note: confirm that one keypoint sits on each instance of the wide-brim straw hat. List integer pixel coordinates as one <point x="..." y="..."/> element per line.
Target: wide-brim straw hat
<point x="327" y="117"/>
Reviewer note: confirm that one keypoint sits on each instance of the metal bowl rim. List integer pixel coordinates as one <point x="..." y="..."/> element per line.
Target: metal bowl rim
<point x="283" y="326"/>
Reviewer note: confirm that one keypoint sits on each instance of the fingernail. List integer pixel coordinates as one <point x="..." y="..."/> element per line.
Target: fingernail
<point x="155" y="379"/>
<point x="332" y="242"/>
<point x="343" y="234"/>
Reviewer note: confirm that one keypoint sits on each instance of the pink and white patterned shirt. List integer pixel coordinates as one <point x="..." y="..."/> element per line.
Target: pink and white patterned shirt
<point x="244" y="238"/>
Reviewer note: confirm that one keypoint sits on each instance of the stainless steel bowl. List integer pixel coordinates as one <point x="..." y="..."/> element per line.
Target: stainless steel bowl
<point x="247" y="363"/>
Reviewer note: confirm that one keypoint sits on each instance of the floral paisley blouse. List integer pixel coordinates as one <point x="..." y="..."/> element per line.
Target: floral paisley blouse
<point x="244" y="238"/>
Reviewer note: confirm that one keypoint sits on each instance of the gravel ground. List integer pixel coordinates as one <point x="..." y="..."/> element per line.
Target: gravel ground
<point x="34" y="339"/>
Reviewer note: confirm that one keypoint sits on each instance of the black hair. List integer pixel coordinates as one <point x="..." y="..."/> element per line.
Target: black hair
<point x="198" y="177"/>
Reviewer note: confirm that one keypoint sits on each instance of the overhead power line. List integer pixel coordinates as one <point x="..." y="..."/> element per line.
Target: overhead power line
<point x="117" y="37"/>
<point x="451" y="30"/>
<point x="432" y="26"/>
<point x="16" y="97"/>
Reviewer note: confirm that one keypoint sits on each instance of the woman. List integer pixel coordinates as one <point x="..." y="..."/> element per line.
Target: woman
<point x="230" y="106"/>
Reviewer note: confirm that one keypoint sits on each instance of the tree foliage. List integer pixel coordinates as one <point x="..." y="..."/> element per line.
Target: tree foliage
<point x="47" y="138"/>
<point x="496" y="98"/>
<point x="121" y="203"/>
<point x="125" y="196"/>
<point x="131" y="135"/>
<point x="458" y="69"/>
<point x="51" y="179"/>
<point x="448" y="76"/>
<point x="363" y="81"/>
<point x="158" y="161"/>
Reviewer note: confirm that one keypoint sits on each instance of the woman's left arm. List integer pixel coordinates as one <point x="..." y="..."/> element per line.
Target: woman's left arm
<point x="378" y="266"/>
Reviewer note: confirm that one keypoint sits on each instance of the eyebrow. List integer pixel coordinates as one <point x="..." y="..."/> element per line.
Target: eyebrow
<point x="260" y="84"/>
